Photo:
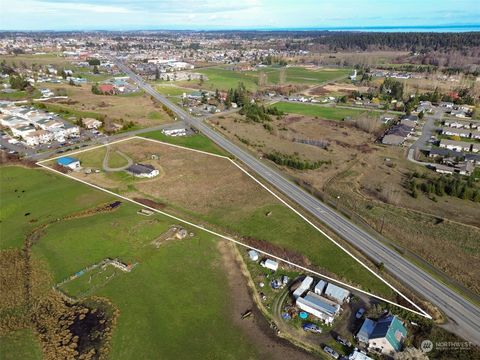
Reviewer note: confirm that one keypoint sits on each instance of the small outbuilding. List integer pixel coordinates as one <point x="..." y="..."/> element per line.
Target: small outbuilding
<point x="253" y="255"/>
<point x="69" y="162"/>
<point x="337" y="293"/>
<point x="320" y="287"/>
<point x="270" y="264"/>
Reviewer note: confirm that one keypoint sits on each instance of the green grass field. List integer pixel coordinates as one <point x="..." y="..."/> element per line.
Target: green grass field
<point x="41" y="195"/>
<point x="68" y="111"/>
<point x="17" y="95"/>
<point x="174" y="304"/>
<point x="299" y="75"/>
<point x="327" y="113"/>
<point x="224" y="79"/>
<point x="197" y="141"/>
<point x="282" y="228"/>
<point x="115" y="160"/>
<point x="41" y="59"/>
<point x="172" y="90"/>
<point x="21" y="344"/>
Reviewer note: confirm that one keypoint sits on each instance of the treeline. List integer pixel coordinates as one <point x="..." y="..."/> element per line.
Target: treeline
<point x="456" y="186"/>
<point x="293" y="161"/>
<point x="414" y="41"/>
<point x="259" y="113"/>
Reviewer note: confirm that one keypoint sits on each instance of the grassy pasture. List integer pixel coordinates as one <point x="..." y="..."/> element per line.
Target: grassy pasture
<point x="200" y="187"/>
<point x="224" y="79"/>
<point x="135" y="107"/>
<point x="327" y="113"/>
<point x="175" y="303"/>
<point x="197" y="142"/>
<point x="20" y="344"/>
<point x="172" y="90"/>
<point x="41" y="195"/>
<point x="42" y="59"/>
<point x="299" y="75"/>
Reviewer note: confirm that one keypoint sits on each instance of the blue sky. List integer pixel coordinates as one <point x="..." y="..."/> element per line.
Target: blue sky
<point x="225" y="14"/>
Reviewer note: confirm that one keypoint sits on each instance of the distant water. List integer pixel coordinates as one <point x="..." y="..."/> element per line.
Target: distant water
<point x="425" y="28"/>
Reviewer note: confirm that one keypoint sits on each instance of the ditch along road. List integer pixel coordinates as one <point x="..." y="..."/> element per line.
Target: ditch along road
<point x="464" y="316"/>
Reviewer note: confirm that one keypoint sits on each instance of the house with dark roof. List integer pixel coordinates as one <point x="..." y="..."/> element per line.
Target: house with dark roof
<point x="142" y="170"/>
<point x="385" y="335"/>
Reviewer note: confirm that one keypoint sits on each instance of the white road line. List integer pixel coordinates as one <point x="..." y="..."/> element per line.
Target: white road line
<point x="421" y="312"/>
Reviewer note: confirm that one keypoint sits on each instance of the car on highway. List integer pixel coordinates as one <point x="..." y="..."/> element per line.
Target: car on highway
<point x="312" y="328"/>
<point x="359" y="313"/>
<point x="331" y="352"/>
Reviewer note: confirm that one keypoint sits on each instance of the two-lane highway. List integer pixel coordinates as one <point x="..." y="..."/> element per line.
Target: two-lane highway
<point x="465" y="315"/>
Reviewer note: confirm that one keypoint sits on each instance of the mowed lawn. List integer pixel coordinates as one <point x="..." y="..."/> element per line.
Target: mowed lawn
<point x="174" y="304"/>
<point x="197" y="142"/>
<point x="327" y="113"/>
<point x="20" y="344"/>
<point x="31" y="197"/>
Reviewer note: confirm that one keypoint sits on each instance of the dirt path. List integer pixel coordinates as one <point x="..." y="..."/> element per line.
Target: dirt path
<point x="107" y="168"/>
<point x="256" y="328"/>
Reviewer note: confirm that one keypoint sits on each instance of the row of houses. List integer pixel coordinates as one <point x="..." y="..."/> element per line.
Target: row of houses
<point x="34" y="126"/>
<point x="462" y="124"/>
<point x="464" y="133"/>
<point x="459" y="146"/>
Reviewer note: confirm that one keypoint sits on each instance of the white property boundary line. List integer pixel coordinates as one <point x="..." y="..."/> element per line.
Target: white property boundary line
<point x="421" y="312"/>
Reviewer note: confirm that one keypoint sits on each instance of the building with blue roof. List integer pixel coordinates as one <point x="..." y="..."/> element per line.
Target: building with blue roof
<point x="69" y="162"/>
<point x="385" y="335"/>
